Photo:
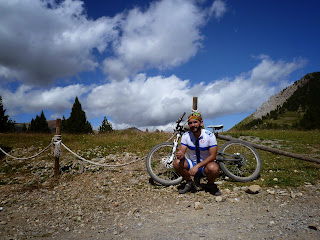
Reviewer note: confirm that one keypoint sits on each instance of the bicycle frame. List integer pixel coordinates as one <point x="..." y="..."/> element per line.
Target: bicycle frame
<point x="236" y="157"/>
<point x="168" y="163"/>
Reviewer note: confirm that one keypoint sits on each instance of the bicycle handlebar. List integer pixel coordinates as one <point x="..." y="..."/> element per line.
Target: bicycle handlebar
<point x="180" y="119"/>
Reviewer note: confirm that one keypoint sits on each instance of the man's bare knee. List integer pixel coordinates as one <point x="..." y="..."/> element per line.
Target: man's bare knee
<point x="177" y="164"/>
<point x="212" y="168"/>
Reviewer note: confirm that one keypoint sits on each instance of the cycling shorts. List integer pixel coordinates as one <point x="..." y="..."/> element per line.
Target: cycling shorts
<point x="200" y="172"/>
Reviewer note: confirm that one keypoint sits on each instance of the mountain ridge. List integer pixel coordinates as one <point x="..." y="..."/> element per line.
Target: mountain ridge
<point x="295" y="107"/>
<point x="279" y="99"/>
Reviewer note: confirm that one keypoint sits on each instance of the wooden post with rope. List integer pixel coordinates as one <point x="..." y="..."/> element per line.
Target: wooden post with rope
<point x="56" y="159"/>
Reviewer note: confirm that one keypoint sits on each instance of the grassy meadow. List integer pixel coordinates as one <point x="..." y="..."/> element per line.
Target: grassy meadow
<point x="277" y="170"/>
<point x="282" y="171"/>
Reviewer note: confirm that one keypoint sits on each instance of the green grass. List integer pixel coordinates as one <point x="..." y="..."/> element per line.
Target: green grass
<point x="289" y="172"/>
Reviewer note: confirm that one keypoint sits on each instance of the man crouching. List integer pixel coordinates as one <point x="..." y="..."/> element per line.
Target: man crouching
<point x="202" y="145"/>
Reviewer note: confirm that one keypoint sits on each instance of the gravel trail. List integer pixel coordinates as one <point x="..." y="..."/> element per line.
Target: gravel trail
<point x="122" y="204"/>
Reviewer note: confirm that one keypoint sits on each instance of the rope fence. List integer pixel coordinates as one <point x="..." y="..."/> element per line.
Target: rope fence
<point x="25" y="158"/>
<point x="56" y="151"/>
<point x="56" y="144"/>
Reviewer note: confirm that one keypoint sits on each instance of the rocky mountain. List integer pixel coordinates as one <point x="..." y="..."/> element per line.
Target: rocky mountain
<point x="279" y="99"/>
<point x="295" y="107"/>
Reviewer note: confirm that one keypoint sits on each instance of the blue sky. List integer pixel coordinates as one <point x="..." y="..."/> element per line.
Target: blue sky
<point x="140" y="63"/>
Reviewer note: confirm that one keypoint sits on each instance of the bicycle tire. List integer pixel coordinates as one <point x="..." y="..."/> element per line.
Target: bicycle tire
<point x="157" y="170"/>
<point x="245" y="170"/>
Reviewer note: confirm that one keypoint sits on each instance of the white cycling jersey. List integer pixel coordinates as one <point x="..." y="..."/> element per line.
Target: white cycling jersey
<point x="206" y="141"/>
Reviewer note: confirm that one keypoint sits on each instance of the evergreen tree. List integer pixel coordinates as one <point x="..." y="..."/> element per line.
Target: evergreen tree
<point x="6" y="124"/>
<point x="64" y="124"/>
<point x="24" y="128"/>
<point x="106" y="126"/>
<point x="39" y="124"/>
<point x="77" y="122"/>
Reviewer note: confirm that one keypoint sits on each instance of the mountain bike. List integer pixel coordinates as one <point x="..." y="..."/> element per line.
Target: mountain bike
<point x="236" y="158"/>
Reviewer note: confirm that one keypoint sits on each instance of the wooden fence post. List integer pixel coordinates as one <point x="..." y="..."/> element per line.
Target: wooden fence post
<point x="56" y="159"/>
<point x="195" y="103"/>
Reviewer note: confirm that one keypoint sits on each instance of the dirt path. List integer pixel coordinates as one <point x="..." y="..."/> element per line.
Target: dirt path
<point x="122" y="204"/>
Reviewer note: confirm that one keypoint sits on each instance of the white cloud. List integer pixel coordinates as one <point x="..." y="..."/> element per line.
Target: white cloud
<point x="40" y="43"/>
<point x="269" y="70"/>
<point x="43" y="40"/>
<point x="218" y="9"/>
<point x="140" y="102"/>
<point x="27" y="99"/>
<point x="157" y="101"/>
<point x="166" y="35"/>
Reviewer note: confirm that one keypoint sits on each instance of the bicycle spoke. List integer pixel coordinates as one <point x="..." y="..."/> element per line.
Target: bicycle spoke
<point x="247" y="166"/>
<point x="159" y="167"/>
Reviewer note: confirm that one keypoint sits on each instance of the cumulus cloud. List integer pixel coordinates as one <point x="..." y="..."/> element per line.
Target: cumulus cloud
<point x="167" y="34"/>
<point x="218" y="9"/>
<point x="43" y="40"/>
<point x="29" y="100"/>
<point x="158" y="101"/>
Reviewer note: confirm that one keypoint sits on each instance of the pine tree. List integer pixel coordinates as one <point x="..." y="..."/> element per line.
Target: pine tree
<point x="106" y="126"/>
<point x="64" y="124"/>
<point x="6" y="124"/>
<point x="77" y="122"/>
<point x="39" y="124"/>
<point x="24" y="128"/>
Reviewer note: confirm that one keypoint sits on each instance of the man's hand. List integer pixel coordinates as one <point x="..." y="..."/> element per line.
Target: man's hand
<point x="193" y="170"/>
<point x="180" y="155"/>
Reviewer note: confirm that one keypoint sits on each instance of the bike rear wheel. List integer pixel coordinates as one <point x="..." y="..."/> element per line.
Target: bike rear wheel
<point x="249" y="165"/>
<point x="157" y="168"/>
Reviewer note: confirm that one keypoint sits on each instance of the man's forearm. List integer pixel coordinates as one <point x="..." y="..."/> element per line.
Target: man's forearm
<point x="211" y="158"/>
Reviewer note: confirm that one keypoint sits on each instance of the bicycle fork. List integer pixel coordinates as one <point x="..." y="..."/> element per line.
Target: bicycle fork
<point x="169" y="163"/>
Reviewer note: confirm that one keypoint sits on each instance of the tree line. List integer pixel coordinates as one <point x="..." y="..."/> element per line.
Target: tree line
<point x="77" y="123"/>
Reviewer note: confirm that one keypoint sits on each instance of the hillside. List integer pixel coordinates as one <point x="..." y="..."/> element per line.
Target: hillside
<point x="295" y="107"/>
<point x="51" y="124"/>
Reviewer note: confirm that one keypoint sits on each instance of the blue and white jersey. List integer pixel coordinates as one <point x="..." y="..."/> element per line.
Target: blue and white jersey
<point x="206" y="141"/>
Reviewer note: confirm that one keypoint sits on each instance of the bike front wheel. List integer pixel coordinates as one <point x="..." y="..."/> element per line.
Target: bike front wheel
<point x="244" y="162"/>
<point x="159" y="167"/>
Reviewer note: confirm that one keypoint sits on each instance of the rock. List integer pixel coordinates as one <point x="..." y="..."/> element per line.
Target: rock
<point x="292" y="195"/>
<point x="226" y="191"/>
<point x="271" y="191"/>
<point x="218" y="199"/>
<point x="233" y="200"/>
<point x="253" y="189"/>
<point x="272" y="223"/>
<point x="313" y="226"/>
<point x="198" y="206"/>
